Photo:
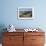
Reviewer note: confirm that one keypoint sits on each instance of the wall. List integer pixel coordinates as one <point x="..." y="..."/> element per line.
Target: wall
<point x="9" y="13"/>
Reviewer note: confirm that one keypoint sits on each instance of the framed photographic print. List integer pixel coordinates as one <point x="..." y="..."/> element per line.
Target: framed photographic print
<point x="25" y="13"/>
